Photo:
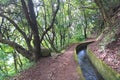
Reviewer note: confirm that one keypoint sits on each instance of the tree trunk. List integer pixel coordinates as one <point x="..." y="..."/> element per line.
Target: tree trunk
<point x="85" y="27"/>
<point x="15" y="62"/>
<point x="20" y="62"/>
<point x="34" y="28"/>
<point x="18" y="48"/>
<point x="105" y="15"/>
<point x="31" y="18"/>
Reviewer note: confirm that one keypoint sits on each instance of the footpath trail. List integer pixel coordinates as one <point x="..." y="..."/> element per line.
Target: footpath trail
<point x="63" y="67"/>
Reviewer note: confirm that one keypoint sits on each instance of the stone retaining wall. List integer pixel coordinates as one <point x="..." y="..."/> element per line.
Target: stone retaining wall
<point x="107" y="72"/>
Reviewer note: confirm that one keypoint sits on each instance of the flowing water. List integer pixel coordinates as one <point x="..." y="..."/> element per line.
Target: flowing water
<point x="88" y="70"/>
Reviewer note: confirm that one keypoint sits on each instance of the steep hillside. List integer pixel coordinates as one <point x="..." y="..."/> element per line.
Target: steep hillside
<point x="107" y="47"/>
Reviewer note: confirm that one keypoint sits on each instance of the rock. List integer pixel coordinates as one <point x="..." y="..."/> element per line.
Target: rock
<point x="45" y="52"/>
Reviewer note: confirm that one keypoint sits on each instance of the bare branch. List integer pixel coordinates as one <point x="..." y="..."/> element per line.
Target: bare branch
<point x="25" y="9"/>
<point x="1" y="24"/>
<point x="88" y="7"/>
<point x="15" y="25"/>
<point x="52" y="23"/>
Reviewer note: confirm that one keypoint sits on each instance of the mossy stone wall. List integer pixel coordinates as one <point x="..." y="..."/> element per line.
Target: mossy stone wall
<point x="107" y="72"/>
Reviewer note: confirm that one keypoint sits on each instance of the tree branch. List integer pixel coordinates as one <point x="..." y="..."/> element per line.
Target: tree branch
<point x="15" y="25"/>
<point x="88" y="7"/>
<point x="105" y="15"/>
<point x="18" y="48"/>
<point x="19" y="30"/>
<point x="52" y="23"/>
<point x="25" y="9"/>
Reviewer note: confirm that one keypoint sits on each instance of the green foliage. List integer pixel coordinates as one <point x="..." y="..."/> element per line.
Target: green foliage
<point x="80" y="37"/>
<point x="7" y="69"/>
<point x="72" y="19"/>
<point x="4" y="1"/>
<point x="28" y="65"/>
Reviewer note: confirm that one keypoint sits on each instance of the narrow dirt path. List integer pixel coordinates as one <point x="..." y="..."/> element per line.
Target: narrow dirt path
<point x="62" y="68"/>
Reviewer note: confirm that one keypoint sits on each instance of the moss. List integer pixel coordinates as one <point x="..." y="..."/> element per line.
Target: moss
<point x="103" y="69"/>
<point x="78" y="66"/>
<point x="80" y="73"/>
<point x="45" y="52"/>
<point x="75" y="56"/>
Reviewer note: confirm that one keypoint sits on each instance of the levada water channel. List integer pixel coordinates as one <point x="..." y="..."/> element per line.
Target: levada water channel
<point x="88" y="70"/>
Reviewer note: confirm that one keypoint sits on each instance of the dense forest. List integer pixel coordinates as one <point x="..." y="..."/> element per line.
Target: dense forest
<point x="32" y="29"/>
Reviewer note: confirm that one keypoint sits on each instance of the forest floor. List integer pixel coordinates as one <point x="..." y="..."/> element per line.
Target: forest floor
<point x="111" y="54"/>
<point x="62" y="67"/>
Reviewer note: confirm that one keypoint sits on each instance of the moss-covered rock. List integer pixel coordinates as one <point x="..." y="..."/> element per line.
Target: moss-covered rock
<point x="45" y="52"/>
<point x="107" y="72"/>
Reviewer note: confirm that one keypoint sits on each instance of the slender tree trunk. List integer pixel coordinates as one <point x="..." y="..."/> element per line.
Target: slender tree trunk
<point x="61" y="40"/>
<point x="2" y="70"/>
<point x="15" y="62"/>
<point x="85" y="27"/>
<point x="64" y="38"/>
<point x="20" y="62"/>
